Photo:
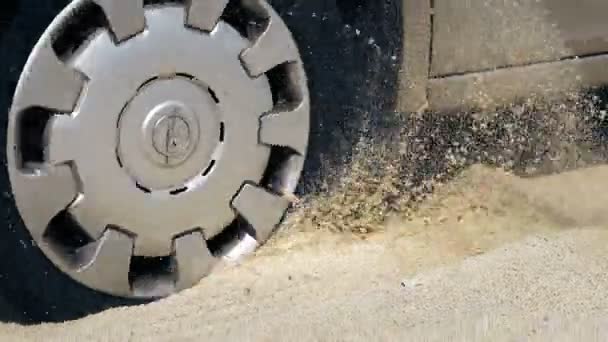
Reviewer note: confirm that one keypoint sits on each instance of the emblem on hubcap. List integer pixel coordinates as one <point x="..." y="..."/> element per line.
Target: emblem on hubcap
<point x="172" y="133"/>
<point x="171" y="137"/>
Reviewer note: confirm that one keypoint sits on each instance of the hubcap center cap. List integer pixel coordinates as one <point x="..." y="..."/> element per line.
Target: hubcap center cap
<point x="168" y="134"/>
<point x="171" y="136"/>
<point x="172" y="133"/>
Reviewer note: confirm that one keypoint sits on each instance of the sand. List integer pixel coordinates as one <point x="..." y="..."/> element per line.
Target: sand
<point x="489" y="256"/>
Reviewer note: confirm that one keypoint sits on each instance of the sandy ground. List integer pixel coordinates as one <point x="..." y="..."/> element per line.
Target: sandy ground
<point x="488" y="257"/>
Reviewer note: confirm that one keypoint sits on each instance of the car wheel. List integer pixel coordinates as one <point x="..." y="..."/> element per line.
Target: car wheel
<point x="149" y="140"/>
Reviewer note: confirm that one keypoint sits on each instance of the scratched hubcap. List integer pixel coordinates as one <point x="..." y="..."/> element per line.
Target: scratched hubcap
<point x="169" y="138"/>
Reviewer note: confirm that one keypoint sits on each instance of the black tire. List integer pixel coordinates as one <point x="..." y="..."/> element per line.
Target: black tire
<point x="352" y="52"/>
<point x="349" y="78"/>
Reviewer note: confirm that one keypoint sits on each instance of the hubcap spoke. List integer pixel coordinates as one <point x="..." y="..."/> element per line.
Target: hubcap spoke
<point x="81" y="210"/>
<point x="109" y="267"/>
<point x="287" y="128"/>
<point x="204" y="14"/>
<point x="126" y="18"/>
<point x="49" y="83"/>
<point x="262" y="210"/>
<point x="151" y="247"/>
<point x="48" y="192"/>
<point x="61" y="142"/>
<point x="274" y="47"/>
<point x="194" y="260"/>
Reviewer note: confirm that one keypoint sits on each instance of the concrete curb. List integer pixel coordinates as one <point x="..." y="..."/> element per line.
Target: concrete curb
<point x="484" y="54"/>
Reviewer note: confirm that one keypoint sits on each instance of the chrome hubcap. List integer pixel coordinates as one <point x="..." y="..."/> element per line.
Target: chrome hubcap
<point x="161" y="147"/>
